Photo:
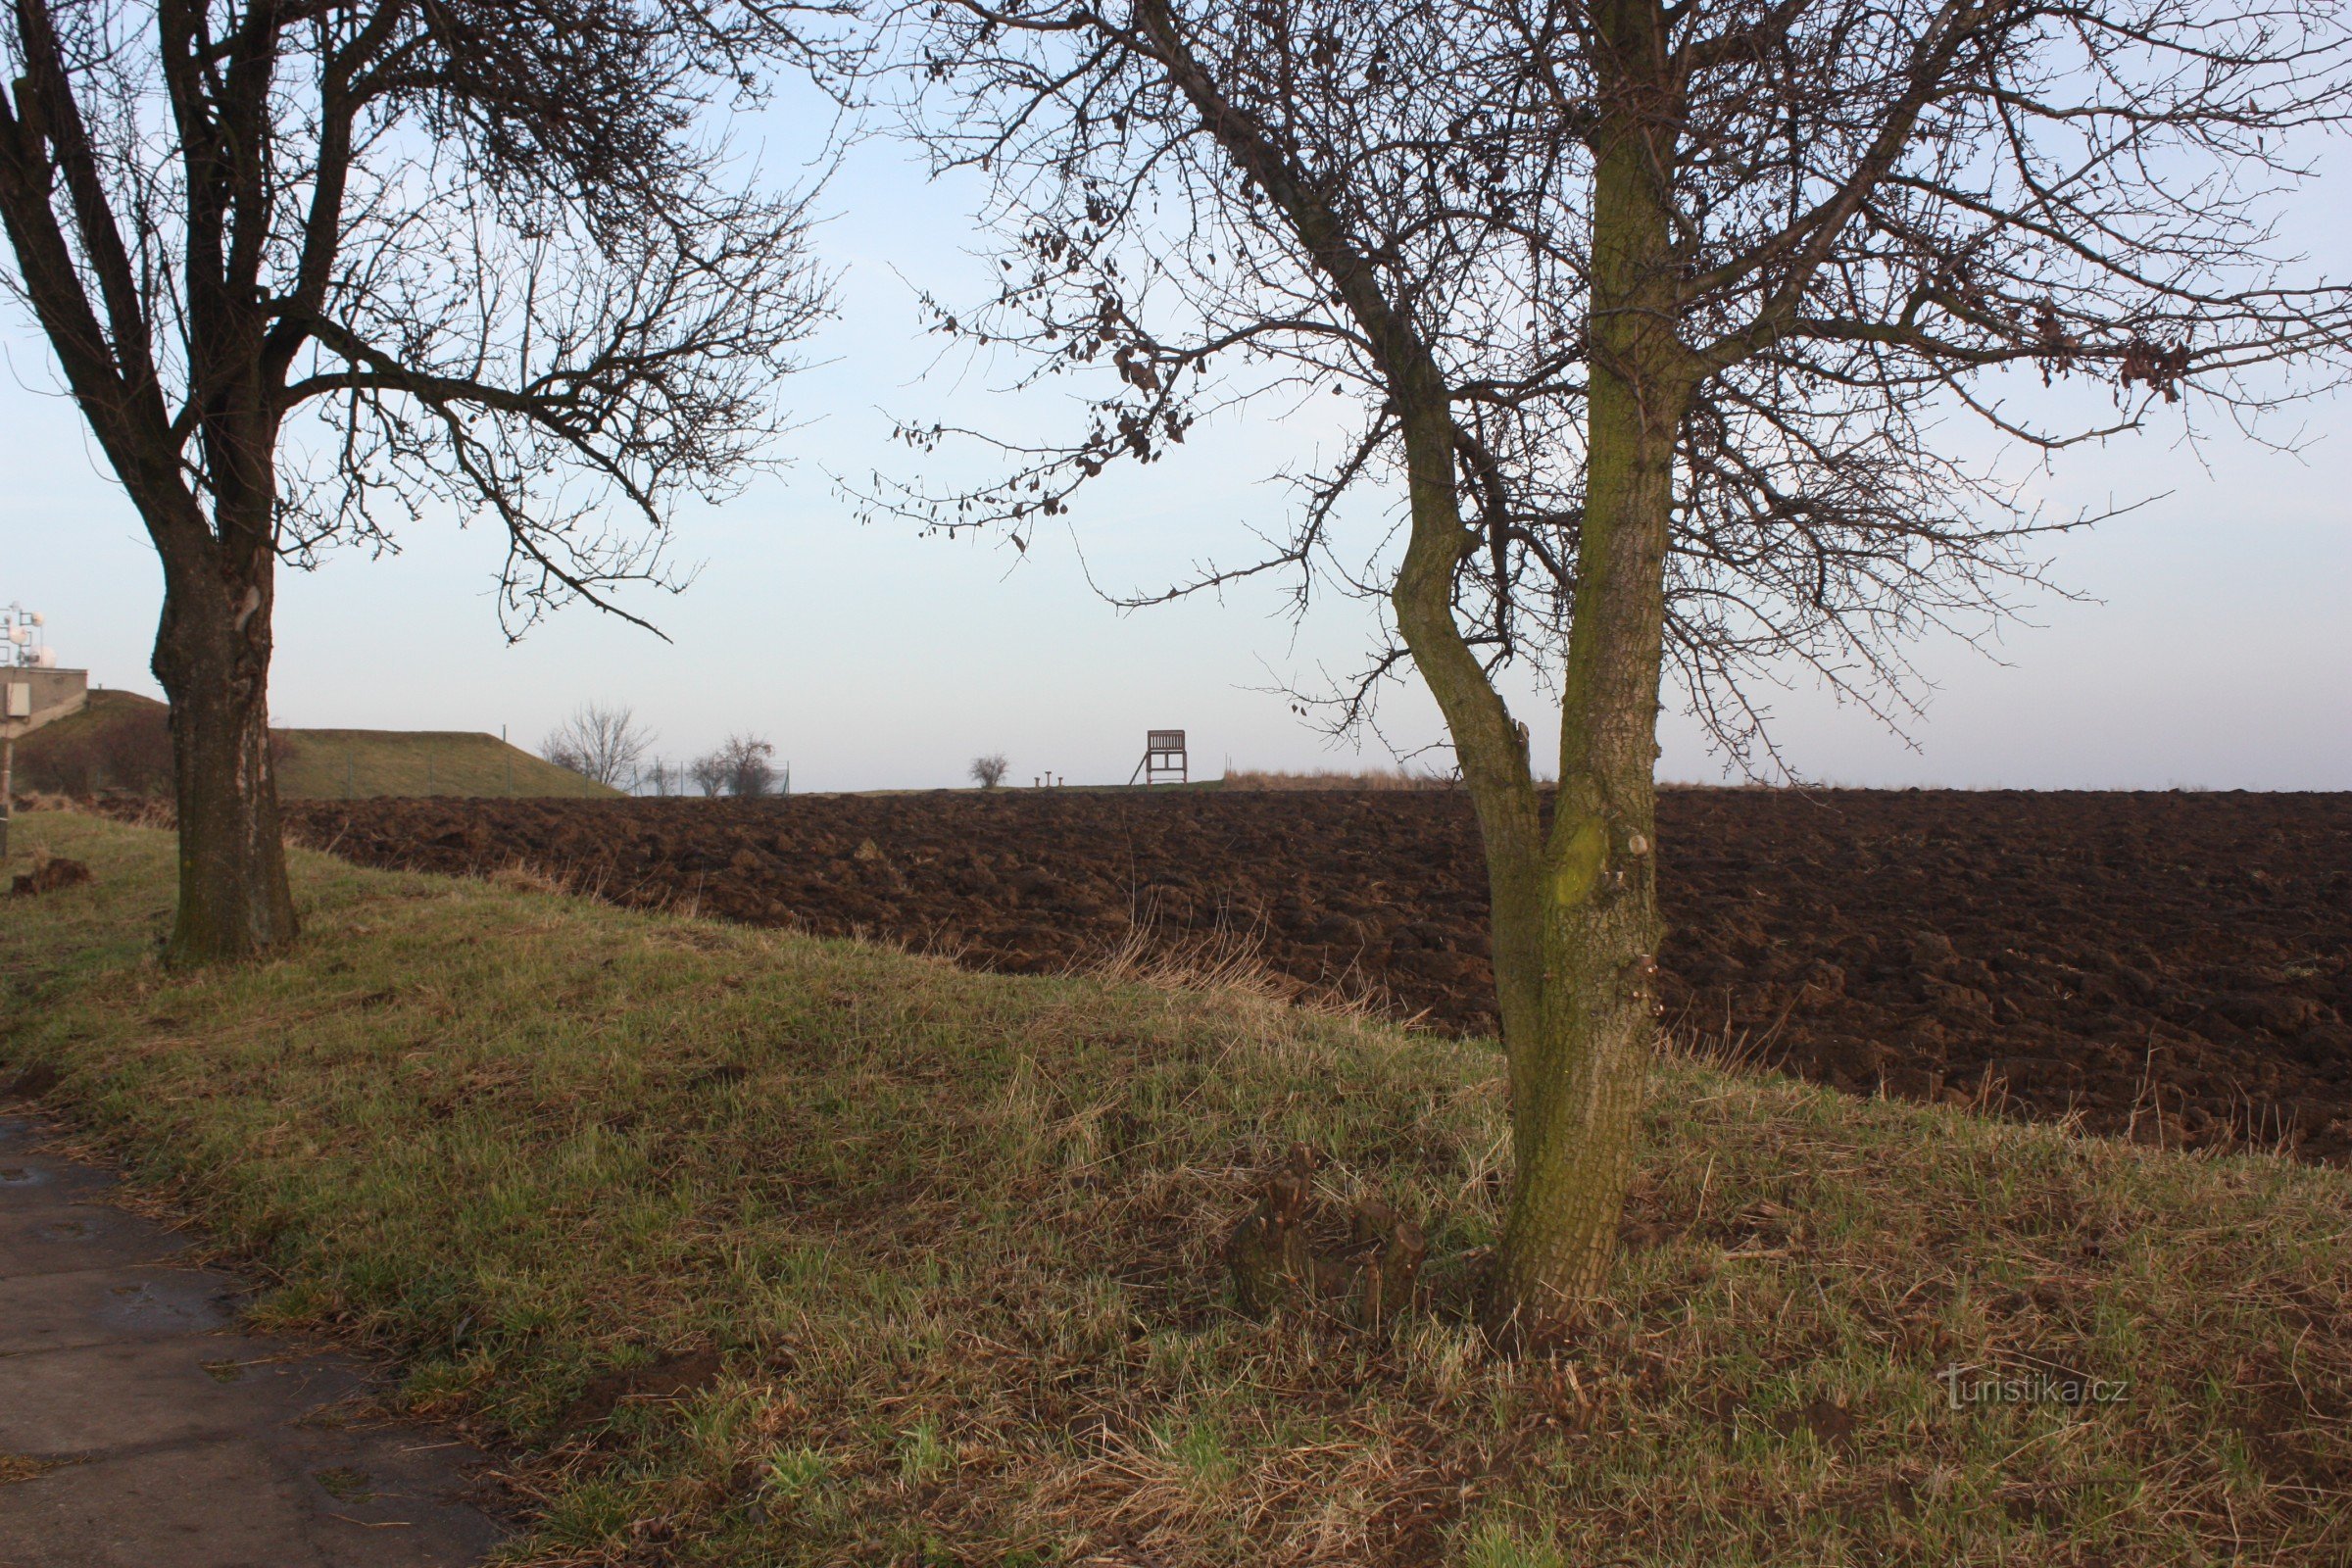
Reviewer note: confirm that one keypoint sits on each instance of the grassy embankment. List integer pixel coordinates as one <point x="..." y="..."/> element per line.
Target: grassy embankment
<point x="327" y="764"/>
<point x="121" y="742"/>
<point x="901" y="1263"/>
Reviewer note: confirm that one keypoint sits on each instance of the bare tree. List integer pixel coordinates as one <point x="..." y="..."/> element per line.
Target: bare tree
<point x="311" y="269"/>
<point x="988" y="772"/>
<point x="662" y="777"/>
<point x="1645" y="315"/>
<point x="743" y="766"/>
<point x="604" y="744"/>
<point x="710" y="773"/>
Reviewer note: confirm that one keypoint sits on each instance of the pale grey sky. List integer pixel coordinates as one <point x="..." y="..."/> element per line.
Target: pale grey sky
<point x="2216" y="649"/>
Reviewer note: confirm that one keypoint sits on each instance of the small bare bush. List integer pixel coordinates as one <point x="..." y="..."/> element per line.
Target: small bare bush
<point x="600" y="743"/>
<point x="988" y="772"/>
<point x="742" y="766"/>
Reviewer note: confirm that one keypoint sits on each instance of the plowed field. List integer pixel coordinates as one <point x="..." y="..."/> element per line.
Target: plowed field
<point x="2176" y="966"/>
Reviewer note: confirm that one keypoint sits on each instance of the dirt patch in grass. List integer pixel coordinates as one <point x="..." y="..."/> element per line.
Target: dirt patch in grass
<point x="672" y="1377"/>
<point x="50" y="873"/>
<point x="954" y="1244"/>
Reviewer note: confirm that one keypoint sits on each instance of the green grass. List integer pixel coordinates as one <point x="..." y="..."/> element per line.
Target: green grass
<point x="100" y="711"/>
<point x="947" y="1247"/>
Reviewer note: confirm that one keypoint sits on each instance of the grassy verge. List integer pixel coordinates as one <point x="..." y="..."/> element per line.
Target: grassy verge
<point x="768" y="1249"/>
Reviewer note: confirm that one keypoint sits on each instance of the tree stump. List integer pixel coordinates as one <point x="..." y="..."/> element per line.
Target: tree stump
<point x="1292" y="1252"/>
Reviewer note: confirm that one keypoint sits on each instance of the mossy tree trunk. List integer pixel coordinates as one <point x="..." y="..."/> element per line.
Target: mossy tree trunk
<point x="1576" y="926"/>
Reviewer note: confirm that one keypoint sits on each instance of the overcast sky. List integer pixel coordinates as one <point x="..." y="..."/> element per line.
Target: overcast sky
<point x="2213" y="649"/>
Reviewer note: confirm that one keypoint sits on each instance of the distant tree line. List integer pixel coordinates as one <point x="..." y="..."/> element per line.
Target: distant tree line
<point x="742" y="766"/>
<point x="606" y="744"/>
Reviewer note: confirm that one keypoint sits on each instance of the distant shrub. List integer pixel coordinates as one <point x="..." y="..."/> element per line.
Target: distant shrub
<point x="988" y="772"/>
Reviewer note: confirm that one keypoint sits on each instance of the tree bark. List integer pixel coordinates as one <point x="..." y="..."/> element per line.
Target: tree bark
<point x="1576" y="941"/>
<point x="1578" y="1074"/>
<point x="212" y="654"/>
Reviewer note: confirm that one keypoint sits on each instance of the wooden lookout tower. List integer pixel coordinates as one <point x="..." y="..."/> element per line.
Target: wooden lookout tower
<point x="1163" y="759"/>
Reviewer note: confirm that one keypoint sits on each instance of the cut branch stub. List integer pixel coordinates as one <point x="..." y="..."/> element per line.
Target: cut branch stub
<point x="1267" y="1253"/>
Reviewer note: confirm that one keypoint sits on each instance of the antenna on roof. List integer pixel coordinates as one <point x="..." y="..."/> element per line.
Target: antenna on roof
<point x="33" y="692"/>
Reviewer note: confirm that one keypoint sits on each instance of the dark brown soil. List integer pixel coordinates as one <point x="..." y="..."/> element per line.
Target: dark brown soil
<point x="2177" y="966"/>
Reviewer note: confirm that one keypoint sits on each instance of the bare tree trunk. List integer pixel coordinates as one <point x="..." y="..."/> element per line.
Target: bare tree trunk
<point x="212" y="654"/>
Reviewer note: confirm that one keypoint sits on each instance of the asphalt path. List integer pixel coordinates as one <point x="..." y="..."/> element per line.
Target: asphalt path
<point x="140" y="1427"/>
